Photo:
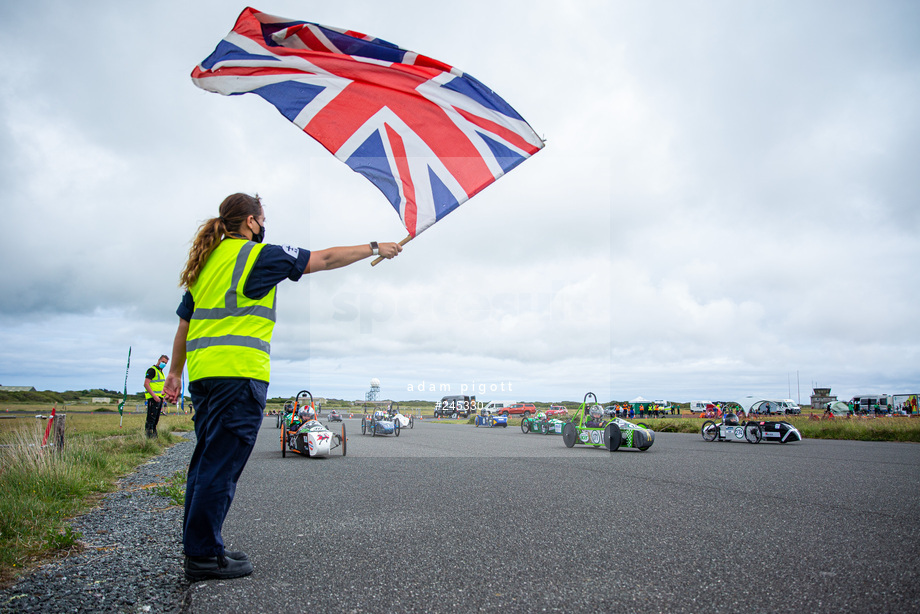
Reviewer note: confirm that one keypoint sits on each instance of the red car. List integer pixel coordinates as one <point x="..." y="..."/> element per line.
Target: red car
<point x="526" y="409"/>
<point x="557" y="410"/>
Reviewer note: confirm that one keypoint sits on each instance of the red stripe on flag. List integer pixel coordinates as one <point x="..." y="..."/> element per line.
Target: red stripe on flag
<point x="306" y="35"/>
<point x="410" y="216"/>
<point x="509" y="135"/>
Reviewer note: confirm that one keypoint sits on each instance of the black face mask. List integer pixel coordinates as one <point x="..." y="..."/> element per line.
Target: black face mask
<point x="258" y="238"/>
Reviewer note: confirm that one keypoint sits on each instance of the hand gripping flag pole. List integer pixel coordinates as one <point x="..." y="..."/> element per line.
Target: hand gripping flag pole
<point x="378" y="259"/>
<point x="426" y="134"/>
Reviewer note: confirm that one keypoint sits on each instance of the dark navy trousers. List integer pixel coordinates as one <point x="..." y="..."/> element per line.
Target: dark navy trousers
<point x="228" y="414"/>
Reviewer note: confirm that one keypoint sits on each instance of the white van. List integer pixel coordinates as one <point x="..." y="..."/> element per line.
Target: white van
<point x="495" y="407"/>
<point x="699" y="406"/>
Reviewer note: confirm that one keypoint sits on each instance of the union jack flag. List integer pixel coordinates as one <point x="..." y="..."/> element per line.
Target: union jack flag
<point x="428" y="135"/>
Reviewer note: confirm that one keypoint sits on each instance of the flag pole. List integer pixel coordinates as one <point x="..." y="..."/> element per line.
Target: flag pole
<point x="121" y="406"/>
<point x="377" y="260"/>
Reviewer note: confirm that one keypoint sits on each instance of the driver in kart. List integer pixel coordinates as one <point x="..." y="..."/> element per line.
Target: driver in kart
<point x="597" y="417"/>
<point x="305" y="414"/>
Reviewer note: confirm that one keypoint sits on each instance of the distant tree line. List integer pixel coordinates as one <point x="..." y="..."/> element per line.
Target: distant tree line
<point x="51" y="396"/>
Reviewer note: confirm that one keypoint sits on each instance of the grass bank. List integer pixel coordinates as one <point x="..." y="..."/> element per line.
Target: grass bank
<point x="41" y="489"/>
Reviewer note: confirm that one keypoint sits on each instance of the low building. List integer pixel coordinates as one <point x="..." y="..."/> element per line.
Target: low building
<point x="17" y="389"/>
<point x="821" y="398"/>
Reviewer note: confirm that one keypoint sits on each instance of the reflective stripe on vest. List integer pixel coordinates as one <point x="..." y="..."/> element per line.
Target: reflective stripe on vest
<point x="229" y="334"/>
<point x="156" y="384"/>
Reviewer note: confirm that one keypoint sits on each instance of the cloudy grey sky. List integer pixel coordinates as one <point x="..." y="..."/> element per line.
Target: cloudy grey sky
<point x="725" y="205"/>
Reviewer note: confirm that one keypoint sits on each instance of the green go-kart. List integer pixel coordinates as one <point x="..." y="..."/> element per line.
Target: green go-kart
<point x="589" y="428"/>
<point x="543" y="425"/>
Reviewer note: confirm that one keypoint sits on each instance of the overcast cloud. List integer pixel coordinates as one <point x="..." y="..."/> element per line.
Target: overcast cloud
<point x="727" y="203"/>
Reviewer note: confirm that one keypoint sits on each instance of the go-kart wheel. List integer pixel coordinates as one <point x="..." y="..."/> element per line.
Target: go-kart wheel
<point x="525" y="426"/>
<point x="411" y="422"/>
<point x="753" y="433"/>
<point x="613" y="437"/>
<point x="344" y="440"/>
<point x="363" y="426"/>
<point x="373" y="429"/>
<point x="544" y="428"/>
<point x="709" y="431"/>
<point x="283" y="441"/>
<point x="396" y="428"/>
<point x="642" y="441"/>
<point x="569" y="434"/>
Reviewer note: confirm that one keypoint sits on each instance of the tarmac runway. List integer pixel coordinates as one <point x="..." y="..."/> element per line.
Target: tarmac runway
<point x="453" y="518"/>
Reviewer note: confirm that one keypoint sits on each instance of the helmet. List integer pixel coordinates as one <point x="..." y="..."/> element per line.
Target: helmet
<point x="305" y="413"/>
<point x="379" y="414"/>
<point x="597" y="411"/>
<point x="730" y="419"/>
<point x="541" y="415"/>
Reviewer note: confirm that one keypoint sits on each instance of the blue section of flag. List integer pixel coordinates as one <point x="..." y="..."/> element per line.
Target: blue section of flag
<point x="228" y="52"/>
<point x="473" y="89"/>
<point x="289" y="97"/>
<point x="444" y="201"/>
<point x="370" y="159"/>
<point x="505" y="157"/>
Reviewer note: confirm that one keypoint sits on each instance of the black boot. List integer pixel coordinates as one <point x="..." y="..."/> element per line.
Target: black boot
<point x="215" y="568"/>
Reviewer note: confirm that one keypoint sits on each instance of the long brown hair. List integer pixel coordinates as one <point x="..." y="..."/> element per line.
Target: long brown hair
<point x="232" y="214"/>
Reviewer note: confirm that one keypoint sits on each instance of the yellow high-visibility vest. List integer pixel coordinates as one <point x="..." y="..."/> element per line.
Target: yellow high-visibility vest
<point x="229" y="335"/>
<point x="156" y="384"/>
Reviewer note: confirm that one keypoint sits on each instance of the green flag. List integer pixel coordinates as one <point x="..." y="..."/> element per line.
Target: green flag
<point x="121" y="406"/>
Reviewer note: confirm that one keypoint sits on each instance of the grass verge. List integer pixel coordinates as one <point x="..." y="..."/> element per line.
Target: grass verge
<point x="42" y="489"/>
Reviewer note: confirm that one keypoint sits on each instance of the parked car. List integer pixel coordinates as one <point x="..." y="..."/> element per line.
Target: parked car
<point x="557" y="410"/>
<point x="456" y="406"/>
<point x="496" y="407"/>
<point x="525" y="409"/>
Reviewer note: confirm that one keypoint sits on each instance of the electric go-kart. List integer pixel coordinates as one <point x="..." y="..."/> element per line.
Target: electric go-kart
<point x="302" y="433"/>
<point x="730" y="429"/>
<point x="334" y="416"/>
<point x="542" y="424"/>
<point x="588" y="428"/>
<point x="403" y="421"/>
<point x="483" y="419"/>
<point x="285" y="413"/>
<point x="379" y="423"/>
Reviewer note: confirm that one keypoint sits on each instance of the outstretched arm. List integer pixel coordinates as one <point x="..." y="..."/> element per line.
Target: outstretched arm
<point x="337" y="257"/>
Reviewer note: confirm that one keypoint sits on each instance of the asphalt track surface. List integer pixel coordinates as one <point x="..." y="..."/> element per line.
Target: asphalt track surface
<point x="453" y="518"/>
